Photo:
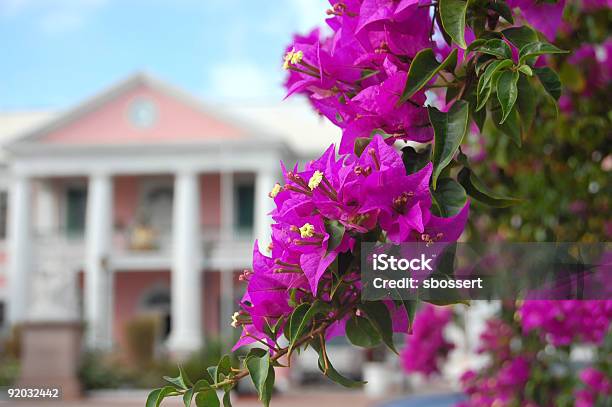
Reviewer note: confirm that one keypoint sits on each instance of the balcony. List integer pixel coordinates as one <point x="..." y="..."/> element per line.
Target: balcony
<point x="139" y="249"/>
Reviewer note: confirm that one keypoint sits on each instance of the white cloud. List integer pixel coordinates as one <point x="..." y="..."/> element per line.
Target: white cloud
<point x="231" y="81"/>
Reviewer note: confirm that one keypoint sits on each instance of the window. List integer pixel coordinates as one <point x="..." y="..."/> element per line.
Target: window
<point x="245" y="195"/>
<point x="157" y="300"/>
<point x="76" y="205"/>
<point x="142" y="113"/>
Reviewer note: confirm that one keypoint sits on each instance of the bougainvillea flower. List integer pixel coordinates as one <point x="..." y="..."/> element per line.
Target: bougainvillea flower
<point x="544" y="16"/>
<point x="426" y="347"/>
<point x="349" y="194"/>
<point x="562" y="322"/>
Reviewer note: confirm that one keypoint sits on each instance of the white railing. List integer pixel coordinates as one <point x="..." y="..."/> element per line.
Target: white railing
<point x="218" y="251"/>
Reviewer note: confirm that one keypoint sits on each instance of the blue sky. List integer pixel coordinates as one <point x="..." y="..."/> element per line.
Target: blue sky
<point x="57" y="52"/>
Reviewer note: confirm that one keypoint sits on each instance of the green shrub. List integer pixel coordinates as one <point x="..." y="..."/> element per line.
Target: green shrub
<point x="109" y="371"/>
<point x="141" y="334"/>
<point x="9" y="371"/>
<point x="100" y="371"/>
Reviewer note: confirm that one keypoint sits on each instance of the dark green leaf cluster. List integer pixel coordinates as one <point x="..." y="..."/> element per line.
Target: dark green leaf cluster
<point x="493" y="84"/>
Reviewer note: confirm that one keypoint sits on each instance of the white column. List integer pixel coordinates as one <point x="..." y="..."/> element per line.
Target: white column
<point x="186" y="307"/>
<point x="227" y="206"/>
<point x="46" y="209"/>
<point x="227" y="303"/>
<point x="19" y="235"/>
<point x="98" y="279"/>
<point x="264" y="181"/>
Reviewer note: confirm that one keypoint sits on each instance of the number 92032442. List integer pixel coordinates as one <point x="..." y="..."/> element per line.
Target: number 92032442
<point x="14" y="393"/>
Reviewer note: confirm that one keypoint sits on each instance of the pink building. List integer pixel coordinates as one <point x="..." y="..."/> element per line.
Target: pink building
<point x="148" y="201"/>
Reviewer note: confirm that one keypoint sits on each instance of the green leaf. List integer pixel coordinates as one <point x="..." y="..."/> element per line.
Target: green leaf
<point x="482" y="61"/>
<point x="479" y="117"/>
<point x="295" y="319"/>
<point x="361" y="332"/>
<point x="507" y="92"/>
<point x="360" y="144"/>
<point x="256" y="352"/>
<point x="502" y="8"/>
<point x="526" y="103"/>
<point x="449" y="129"/>
<point x="451" y="93"/>
<point x="537" y="48"/>
<point x="520" y="36"/>
<point x="410" y="306"/>
<point x="155" y="398"/>
<point x="181" y="381"/>
<point x="335" y="230"/>
<point x="260" y="369"/>
<point x="449" y="197"/>
<point x="177" y="381"/>
<point x="152" y="398"/>
<point x="486" y="81"/>
<point x="477" y="189"/>
<point x="423" y="68"/>
<point x="451" y="62"/>
<point x="452" y="14"/>
<point x="300" y="319"/>
<point x="224" y="367"/>
<point x="227" y="402"/>
<point x="511" y="127"/>
<point x="212" y="371"/>
<point x="550" y="81"/>
<point x="496" y="47"/>
<point x="200" y="385"/>
<point x="415" y="160"/>
<point x="187" y="396"/>
<point x="266" y="394"/>
<point x="331" y="372"/>
<point x="207" y="398"/>
<point x="378" y="314"/>
<point x="526" y="69"/>
<point x="475" y="44"/>
<point x="482" y="98"/>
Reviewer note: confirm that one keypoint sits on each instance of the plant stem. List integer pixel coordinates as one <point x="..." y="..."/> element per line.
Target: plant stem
<point x="317" y="333"/>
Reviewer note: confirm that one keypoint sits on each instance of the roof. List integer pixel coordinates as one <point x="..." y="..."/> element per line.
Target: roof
<point x="291" y="122"/>
<point x="308" y="133"/>
<point x="16" y="123"/>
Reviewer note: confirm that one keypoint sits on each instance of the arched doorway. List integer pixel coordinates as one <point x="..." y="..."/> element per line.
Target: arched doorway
<point x="156" y="300"/>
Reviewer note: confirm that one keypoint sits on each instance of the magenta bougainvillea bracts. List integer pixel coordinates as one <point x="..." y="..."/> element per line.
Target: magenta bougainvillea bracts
<point x="426" y="347"/>
<point x="357" y="193"/>
<point x="565" y="322"/>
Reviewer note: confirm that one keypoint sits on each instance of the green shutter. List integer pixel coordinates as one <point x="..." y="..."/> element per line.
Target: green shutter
<point x="245" y="194"/>
<point x="76" y="205"/>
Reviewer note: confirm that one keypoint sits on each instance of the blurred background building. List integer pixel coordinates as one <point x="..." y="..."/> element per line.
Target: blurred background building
<point x="148" y="199"/>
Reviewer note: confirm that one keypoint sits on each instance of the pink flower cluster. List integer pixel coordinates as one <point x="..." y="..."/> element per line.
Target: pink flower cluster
<point x="562" y="322"/>
<point x="544" y="16"/>
<point x="595" y="61"/>
<point x="597" y="385"/>
<point x="355" y="77"/>
<point x="426" y="347"/>
<point x="495" y="339"/>
<point x="500" y="389"/>
<point x="353" y="194"/>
